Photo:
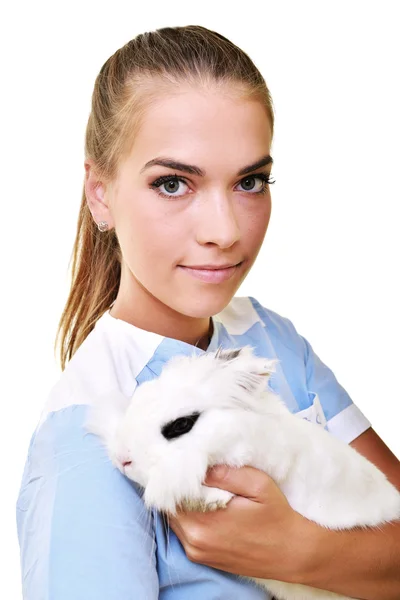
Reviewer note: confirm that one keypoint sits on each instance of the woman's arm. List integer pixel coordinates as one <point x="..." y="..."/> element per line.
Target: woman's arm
<point x="82" y="527"/>
<point x="272" y="541"/>
<point x="370" y="445"/>
<point x="361" y="563"/>
<point x="364" y="563"/>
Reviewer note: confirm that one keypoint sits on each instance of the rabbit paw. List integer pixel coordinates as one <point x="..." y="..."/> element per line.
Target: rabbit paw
<point x="215" y="498"/>
<point x="211" y="499"/>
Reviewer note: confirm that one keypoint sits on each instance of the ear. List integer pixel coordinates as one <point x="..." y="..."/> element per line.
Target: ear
<point x="95" y="192"/>
<point x="244" y="358"/>
<point x="105" y="414"/>
<point x="250" y="373"/>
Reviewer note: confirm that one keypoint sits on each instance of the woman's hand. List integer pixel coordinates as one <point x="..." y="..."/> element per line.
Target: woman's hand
<point x="258" y="534"/>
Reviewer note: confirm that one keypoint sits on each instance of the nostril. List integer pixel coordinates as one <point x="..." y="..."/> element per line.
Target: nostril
<point x="126" y="463"/>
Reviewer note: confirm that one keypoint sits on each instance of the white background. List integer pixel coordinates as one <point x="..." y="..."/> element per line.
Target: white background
<point x="330" y="261"/>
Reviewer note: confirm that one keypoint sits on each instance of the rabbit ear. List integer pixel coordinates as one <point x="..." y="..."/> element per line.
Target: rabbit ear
<point x="105" y="414"/>
<point x="244" y="358"/>
<point x="250" y="373"/>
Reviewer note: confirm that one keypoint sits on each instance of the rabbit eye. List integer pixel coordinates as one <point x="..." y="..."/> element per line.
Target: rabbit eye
<point x="178" y="427"/>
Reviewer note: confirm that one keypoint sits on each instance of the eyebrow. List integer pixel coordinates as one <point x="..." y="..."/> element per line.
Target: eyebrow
<point x="193" y="170"/>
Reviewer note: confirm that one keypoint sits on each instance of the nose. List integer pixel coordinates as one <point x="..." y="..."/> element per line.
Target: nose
<point x="124" y="460"/>
<point x="217" y="221"/>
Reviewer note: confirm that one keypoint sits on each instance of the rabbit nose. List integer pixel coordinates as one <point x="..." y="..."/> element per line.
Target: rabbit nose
<point x="126" y="463"/>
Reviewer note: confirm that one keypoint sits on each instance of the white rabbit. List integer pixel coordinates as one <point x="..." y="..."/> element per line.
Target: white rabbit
<point x="216" y="408"/>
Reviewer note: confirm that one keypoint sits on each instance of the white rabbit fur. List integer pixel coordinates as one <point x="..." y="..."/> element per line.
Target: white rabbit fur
<point x="240" y="422"/>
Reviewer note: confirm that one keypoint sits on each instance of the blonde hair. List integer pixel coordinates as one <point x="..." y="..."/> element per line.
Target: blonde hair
<point x="147" y="66"/>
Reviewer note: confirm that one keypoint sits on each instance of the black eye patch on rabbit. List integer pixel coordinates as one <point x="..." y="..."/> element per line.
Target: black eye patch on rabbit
<point x="216" y="408"/>
<point x="180" y="426"/>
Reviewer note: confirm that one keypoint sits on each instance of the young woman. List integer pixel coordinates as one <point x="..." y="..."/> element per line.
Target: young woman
<point x="175" y="207"/>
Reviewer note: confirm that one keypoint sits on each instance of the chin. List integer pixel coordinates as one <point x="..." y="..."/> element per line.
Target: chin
<point x="207" y="304"/>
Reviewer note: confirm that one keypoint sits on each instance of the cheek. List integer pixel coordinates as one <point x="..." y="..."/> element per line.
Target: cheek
<point x="255" y="223"/>
<point x="151" y="239"/>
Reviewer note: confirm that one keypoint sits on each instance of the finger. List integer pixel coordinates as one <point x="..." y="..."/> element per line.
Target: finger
<point x="176" y="526"/>
<point x="244" y="481"/>
<point x="184" y="519"/>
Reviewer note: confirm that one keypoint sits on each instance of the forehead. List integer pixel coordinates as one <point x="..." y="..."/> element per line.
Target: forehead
<point x="208" y="128"/>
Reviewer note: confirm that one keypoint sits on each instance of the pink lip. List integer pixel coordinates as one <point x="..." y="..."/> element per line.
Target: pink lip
<point x="211" y="267"/>
<point x="211" y="275"/>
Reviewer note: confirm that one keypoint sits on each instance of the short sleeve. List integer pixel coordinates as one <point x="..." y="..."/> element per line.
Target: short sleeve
<point x="343" y="418"/>
<point x="83" y="529"/>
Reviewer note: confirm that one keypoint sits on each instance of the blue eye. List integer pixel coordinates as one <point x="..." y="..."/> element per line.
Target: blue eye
<point x="168" y="180"/>
<point x="264" y="179"/>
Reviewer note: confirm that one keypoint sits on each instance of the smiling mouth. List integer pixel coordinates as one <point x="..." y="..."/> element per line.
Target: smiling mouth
<point x="213" y="274"/>
<point x="212" y="267"/>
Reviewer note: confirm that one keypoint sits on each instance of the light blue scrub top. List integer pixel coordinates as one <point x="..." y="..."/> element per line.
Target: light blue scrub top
<point x="83" y="529"/>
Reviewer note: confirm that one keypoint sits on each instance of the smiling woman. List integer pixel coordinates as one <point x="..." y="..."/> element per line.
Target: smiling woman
<point x="176" y="203"/>
<point x="208" y="217"/>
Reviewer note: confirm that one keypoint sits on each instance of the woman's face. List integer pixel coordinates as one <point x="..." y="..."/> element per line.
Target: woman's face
<point x="209" y="214"/>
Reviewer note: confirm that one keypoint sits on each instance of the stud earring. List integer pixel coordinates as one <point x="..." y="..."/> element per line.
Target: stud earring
<point x="102" y="226"/>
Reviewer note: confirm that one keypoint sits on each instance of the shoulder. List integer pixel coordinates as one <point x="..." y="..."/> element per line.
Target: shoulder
<point x="245" y="312"/>
<point x="110" y="358"/>
<point x="65" y="462"/>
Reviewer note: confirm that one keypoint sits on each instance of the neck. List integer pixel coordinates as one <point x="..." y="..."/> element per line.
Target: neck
<point x="204" y="341"/>
<point x="143" y="310"/>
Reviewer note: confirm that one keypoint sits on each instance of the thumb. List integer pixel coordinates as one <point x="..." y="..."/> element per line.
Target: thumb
<point x="244" y="481"/>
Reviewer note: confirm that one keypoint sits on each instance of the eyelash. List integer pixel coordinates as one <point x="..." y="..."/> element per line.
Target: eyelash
<point x="166" y="178"/>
